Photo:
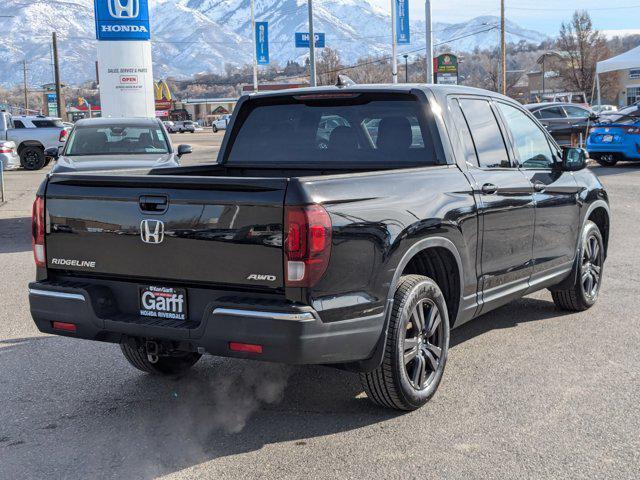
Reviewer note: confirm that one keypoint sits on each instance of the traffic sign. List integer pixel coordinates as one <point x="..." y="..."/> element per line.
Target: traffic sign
<point x="302" y="40"/>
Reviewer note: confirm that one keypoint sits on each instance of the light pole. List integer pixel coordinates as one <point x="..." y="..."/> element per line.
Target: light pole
<point x="312" y="47"/>
<point x="406" y="68"/>
<point x="394" y="45"/>
<point x="255" y="47"/>
<point x="429" y="36"/>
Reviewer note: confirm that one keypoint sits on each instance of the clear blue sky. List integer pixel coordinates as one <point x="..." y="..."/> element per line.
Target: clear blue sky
<point x="542" y="15"/>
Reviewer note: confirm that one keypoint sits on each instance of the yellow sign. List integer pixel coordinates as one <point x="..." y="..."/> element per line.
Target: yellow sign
<point x="161" y="91"/>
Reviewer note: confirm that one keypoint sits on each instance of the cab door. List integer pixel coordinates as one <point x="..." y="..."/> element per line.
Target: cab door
<point x="555" y="195"/>
<point x="505" y="202"/>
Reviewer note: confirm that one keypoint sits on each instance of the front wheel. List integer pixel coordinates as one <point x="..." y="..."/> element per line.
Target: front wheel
<point x="587" y="272"/>
<point x="32" y="158"/>
<point x="174" y="364"/>
<point x="215" y="129"/>
<point x="416" y="349"/>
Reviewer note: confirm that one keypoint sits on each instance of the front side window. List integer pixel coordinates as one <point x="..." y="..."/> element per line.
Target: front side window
<point x="116" y="140"/>
<point x="485" y="132"/>
<point x="576" y="112"/>
<point x="531" y="145"/>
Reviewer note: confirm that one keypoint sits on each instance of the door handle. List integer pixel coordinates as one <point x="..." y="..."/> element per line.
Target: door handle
<point x="539" y="187"/>
<point x="154" y="203"/>
<point x="489" y="188"/>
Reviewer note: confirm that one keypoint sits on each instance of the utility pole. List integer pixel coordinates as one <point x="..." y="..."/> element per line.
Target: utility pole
<point x="406" y="68"/>
<point x="312" y="47"/>
<point x="255" y="47"/>
<point x="26" y="91"/>
<point x="394" y="46"/>
<point x="429" y="36"/>
<point x="503" y="51"/>
<point x="56" y="69"/>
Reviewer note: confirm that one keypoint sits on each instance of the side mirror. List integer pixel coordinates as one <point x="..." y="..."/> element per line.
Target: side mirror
<point x="184" y="149"/>
<point x="53" y="152"/>
<point x="573" y="159"/>
<point x="593" y="117"/>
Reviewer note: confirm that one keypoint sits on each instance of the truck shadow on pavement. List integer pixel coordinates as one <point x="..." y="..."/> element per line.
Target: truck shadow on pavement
<point x="79" y="408"/>
<point x="15" y="234"/>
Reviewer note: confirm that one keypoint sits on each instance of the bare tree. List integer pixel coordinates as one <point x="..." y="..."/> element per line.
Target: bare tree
<point x="328" y="66"/>
<point x="583" y="47"/>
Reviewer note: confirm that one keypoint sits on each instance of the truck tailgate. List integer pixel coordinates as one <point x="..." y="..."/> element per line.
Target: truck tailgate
<point x="214" y="230"/>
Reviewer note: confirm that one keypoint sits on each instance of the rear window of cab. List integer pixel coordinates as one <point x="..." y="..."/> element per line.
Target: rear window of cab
<point x="333" y="129"/>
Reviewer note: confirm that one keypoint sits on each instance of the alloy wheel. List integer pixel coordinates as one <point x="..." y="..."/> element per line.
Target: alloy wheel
<point x="423" y="344"/>
<point x="591" y="266"/>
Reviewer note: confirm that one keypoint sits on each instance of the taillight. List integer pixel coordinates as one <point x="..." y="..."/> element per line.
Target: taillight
<point x="37" y="232"/>
<point x="5" y="150"/>
<point x="307" y="245"/>
<point x="63" y="135"/>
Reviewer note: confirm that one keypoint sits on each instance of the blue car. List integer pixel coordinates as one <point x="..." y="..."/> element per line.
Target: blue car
<point x="616" y="137"/>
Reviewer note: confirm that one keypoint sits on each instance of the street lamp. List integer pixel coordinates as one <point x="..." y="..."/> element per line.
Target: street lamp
<point x="406" y="68"/>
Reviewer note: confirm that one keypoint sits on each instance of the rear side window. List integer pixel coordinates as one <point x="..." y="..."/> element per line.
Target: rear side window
<point x="485" y="132"/>
<point x="359" y="128"/>
<point x="48" y="123"/>
<point x="18" y="124"/>
<point x="550" y="112"/>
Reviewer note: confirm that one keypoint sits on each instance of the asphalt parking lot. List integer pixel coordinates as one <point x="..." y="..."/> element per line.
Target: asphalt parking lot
<point x="529" y="391"/>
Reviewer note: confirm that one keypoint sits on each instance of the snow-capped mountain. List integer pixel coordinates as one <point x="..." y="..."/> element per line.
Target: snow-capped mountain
<point x="197" y="36"/>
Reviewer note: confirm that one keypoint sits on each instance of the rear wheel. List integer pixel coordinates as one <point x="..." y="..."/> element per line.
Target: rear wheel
<point x="32" y="158"/>
<point x="587" y="272"/>
<point x="173" y="364"/>
<point x="607" y="159"/>
<point x="416" y="349"/>
<point x="215" y="129"/>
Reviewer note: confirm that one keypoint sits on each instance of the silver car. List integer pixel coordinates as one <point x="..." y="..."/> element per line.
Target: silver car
<point x="117" y="143"/>
<point x="9" y="158"/>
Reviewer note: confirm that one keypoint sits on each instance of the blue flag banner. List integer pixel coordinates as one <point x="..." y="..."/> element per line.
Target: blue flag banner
<point x="403" y="36"/>
<point x="262" y="43"/>
<point x="302" y="40"/>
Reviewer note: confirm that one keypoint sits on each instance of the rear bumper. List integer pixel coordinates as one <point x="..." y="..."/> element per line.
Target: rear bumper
<point x="287" y="333"/>
<point x="626" y="150"/>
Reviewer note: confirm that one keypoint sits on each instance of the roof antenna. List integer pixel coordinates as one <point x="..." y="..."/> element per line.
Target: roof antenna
<point x="344" y="81"/>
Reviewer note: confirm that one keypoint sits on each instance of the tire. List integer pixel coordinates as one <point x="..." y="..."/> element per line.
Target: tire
<point x="215" y="129"/>
<point x="398" y="383"/>
<point x="166" y="365"/>
<point x="32" y="158"/>
<point x="607" y="159"/>
<point x="583" y="294"/>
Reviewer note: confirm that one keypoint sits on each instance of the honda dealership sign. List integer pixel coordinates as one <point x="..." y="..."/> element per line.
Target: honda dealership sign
<point x="122" y="19"/>
<point x="124" y="58"/>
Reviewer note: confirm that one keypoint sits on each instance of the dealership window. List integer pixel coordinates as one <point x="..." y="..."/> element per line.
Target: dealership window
<point x="633" y="95"/>
<point x="634" y="73"/>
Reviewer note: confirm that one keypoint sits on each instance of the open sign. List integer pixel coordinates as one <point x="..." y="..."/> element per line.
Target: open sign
<point x="129" y="79"/>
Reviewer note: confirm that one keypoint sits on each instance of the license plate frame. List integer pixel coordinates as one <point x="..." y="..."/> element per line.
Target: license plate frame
<point x="168" y="303"/>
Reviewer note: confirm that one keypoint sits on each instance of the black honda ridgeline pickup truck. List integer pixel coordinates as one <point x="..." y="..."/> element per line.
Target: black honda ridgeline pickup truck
<point x="350" y="226"/>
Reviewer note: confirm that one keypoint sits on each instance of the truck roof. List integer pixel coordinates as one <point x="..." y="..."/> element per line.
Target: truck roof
<point x="388" y="87"/>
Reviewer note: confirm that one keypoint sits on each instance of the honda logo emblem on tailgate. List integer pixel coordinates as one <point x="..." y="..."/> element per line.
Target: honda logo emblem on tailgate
<point x="152" y="231"/>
